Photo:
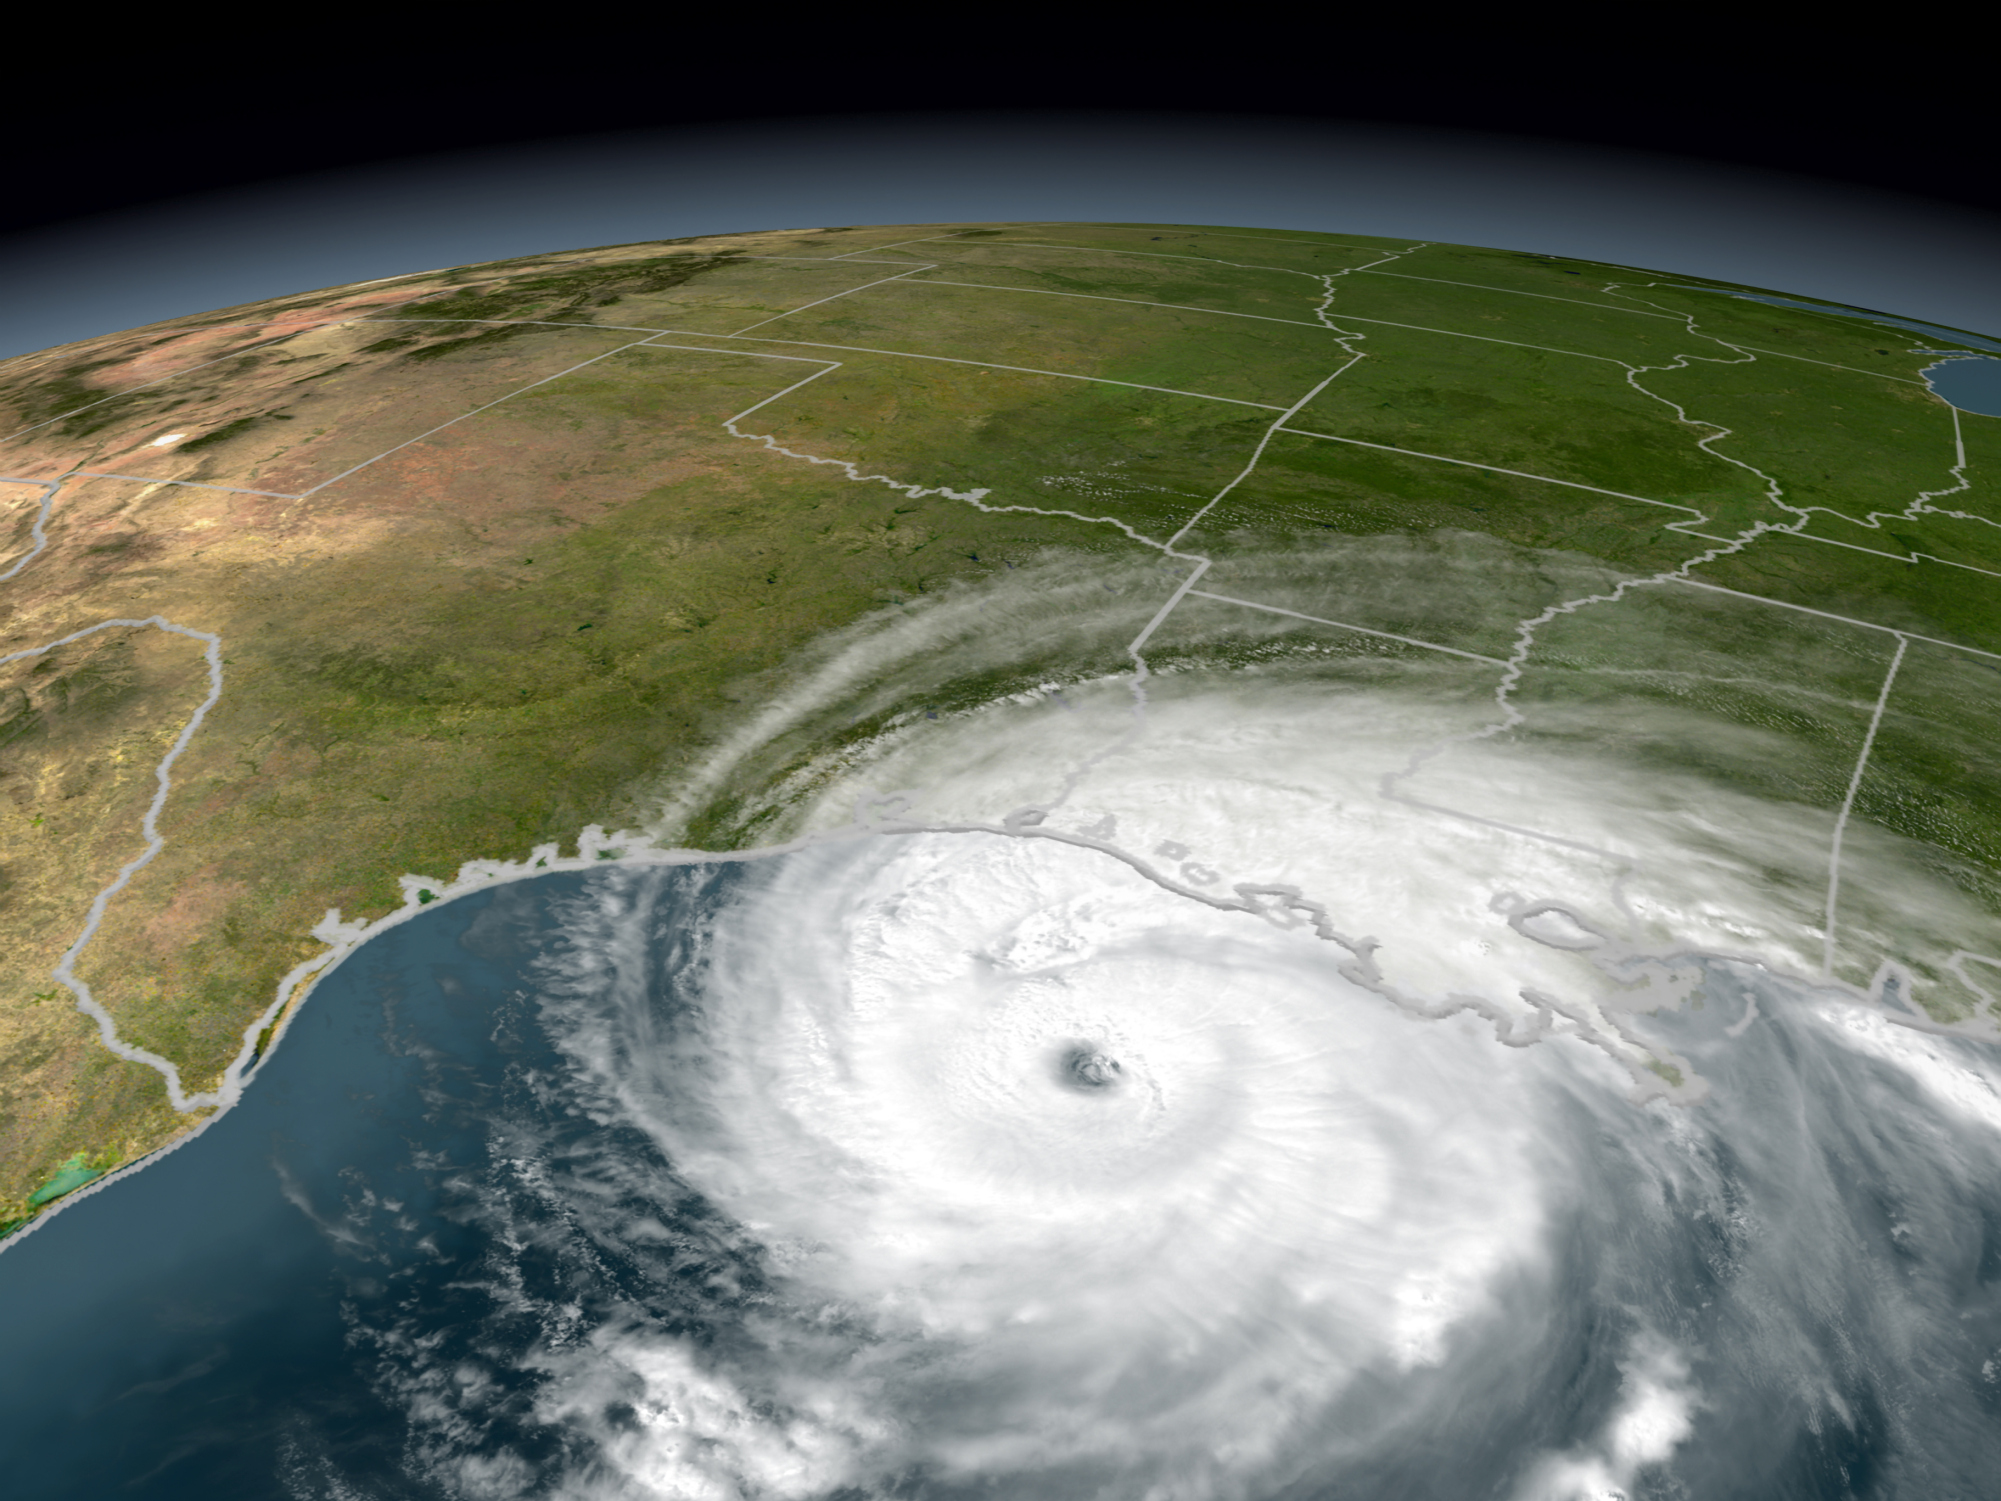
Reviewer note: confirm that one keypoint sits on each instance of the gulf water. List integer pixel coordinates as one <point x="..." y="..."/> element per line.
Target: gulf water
<point x="433" y="1254"/>
<point x="186" y="1331"/>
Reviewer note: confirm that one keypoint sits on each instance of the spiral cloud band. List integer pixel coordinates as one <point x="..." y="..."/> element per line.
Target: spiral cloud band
<point x="1267" y="1084"/>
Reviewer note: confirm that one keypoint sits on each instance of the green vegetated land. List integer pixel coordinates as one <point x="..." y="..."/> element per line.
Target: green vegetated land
<point x="488" y="565"/>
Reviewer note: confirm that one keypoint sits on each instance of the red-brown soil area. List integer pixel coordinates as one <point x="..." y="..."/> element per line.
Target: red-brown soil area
<point x="464" y="608"/>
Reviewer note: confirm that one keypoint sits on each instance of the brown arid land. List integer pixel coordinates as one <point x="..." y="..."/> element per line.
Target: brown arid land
<point x="461" y="563"/>
<point x="477" y="586"/>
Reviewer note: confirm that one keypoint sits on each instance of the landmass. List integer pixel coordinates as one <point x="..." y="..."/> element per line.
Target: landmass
<point x="453" y="565"/>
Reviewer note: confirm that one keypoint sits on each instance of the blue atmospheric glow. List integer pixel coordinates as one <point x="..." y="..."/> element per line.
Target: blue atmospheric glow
<point x="1624" y="209"/>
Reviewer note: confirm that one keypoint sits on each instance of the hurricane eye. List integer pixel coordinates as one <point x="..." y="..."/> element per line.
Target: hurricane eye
<point x="1084" y="1066"/>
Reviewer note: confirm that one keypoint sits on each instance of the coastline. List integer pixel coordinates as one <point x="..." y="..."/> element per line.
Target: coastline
<point x="597" y="849"/>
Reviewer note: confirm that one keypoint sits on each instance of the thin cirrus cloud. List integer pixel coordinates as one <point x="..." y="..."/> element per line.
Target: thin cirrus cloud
<point x="1916" y="257"/>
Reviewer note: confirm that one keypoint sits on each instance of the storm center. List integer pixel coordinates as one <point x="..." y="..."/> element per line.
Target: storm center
<point x="1085" y="1066"/>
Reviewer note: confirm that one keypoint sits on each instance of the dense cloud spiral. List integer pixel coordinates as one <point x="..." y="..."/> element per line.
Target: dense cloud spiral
<point x="1171" y="1114"/>
<point x="1304" y="1237"/>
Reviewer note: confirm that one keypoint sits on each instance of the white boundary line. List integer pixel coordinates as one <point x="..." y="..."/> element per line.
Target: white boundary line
<point x="901" y="354"/>
<point x="1416" y="453"/>
<point x="741" y="354"/>
<point x="1894" y="557"/>
<point x="38" y="535"/>
<point x="1257" y="453"/>
<point x="145" y="479"/>
<point x="835" y="297"/>
<point x="1902" y="380"/>
<point x="977" y="498"/>
<point x="177" y="374"/>
<point x="1183" y="307"/>
<point x="330" y="930"/>
<point x="1849" y="319"/>
<point x="306" y="326"/>
<point x="1349" y="317"/>
<point x="1644" y="313"/>
<point x="1445" y="333"/>
<point x="107" y="1029"/>
<point x="1481" y="286"/>
<point x="940" y="281"/>
<point x="484" y="407"/>
<point x="1512" y="669"/>
<point x="854" y="258"/>
<point x="1605" y="307"/>
<point x="1848" y="805"/>
<point x="418" y="890"/>
<point x="1224" y="234"/>
<point x="193" y="484"/>
<point x="610" y="328"/>
<point x="1867" y="625"/>
<point x="341" y="938"/>
<point x="896" y="245"/>
<point x="1344" y="625"/>
<point x="1453" y="333"/>
<point x="894" y="354"/>
<point x="1165" y="255"/>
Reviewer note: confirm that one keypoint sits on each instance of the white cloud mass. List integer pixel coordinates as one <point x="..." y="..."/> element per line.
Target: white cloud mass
<point x="1119" y="1096"/>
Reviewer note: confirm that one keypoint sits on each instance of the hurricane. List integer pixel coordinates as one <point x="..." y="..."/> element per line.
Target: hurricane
<point x="1242" y="1073"/>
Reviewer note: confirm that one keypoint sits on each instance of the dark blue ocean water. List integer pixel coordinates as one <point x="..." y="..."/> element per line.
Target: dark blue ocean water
<point x="362" y="1281"/>
<point x="184" y="1332"/>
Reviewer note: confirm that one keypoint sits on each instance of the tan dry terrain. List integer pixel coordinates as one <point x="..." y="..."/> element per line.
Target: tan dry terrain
<point x="440" y="642"/>
<point x="486" y="565"/>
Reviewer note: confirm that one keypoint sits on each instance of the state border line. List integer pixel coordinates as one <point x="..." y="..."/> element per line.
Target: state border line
<point x="1827" y="928"/>
<point x="195" y="484"/>
<point x="1418" y="327"/>
<point x="1781" y="354"/>
<point x="1226" y="234"/>
<point x="1446" y="281"/>
<point x="231" y="1083"/>
<point x="903" y="354"/>
<point x="834" y="296"/>
<point x="1443" y="333"/>
<point x="463" y="416"/>
<point x="176" y="374"/>
<point x="1894" y="557"/>
<point x="1250" y="604"/>
<point x="1867" y="625"/>
<point x="1184" y="307"/>
<point x="1416" y="453"/>
<point x="306" y="326"/>
<point x="149" y="825"/>
<point x="1207" y="260"/>
<point x="895" y="354"/>
<point x="1451" y="333"/>
<point x="912" y="274"/>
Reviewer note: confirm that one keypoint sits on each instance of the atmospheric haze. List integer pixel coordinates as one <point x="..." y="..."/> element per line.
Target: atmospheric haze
<point x="1155" y="1083"/>
<point x="1322" y="1005"/>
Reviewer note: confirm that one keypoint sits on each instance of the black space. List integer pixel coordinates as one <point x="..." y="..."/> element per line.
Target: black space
<point x="122" y="118"/>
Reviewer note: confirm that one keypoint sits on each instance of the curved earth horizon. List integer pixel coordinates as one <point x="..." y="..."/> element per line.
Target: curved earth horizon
<point x="1059" y="859"/>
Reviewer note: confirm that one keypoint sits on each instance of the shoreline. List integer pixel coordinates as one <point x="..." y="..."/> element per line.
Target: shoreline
<point x="597" y="850"/>
<point x="420" y="894"/>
